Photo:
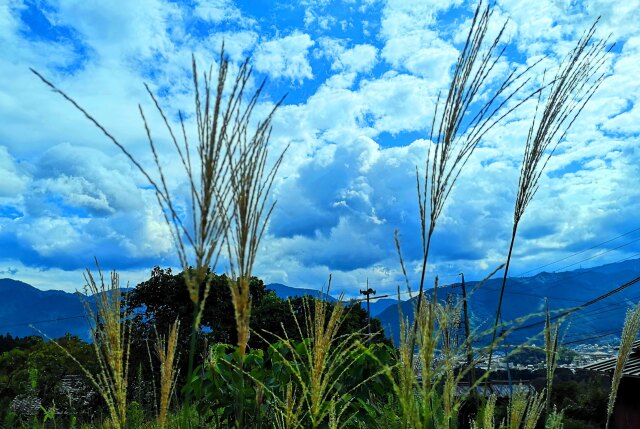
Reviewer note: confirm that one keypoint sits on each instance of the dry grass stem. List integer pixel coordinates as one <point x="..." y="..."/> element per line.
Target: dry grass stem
<point x="551" y="335"/>
<point x="110" y="332"/>
<point x="578" y="77"/>
<point x="535" y="406"/>
<point x="250" y="185"/>
<point x="629" y="335"/>
<point x="229" y="185"/>
<point x="318" y="367"/>
<point x="454" y="134"/>
<point x="166" y="349"/>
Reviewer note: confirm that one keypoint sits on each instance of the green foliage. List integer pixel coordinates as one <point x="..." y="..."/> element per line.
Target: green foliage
<point x="41" y="371"/>
<point x="164" y="297"/>
<point x="226" y="386"/>
<point x="555" y="420"/>
<point x="135" y="415"/>
<point x="583" y="402"/>
<point x="158" y="301"/>
<point x="49" y="414"/>
<point x="9" y="342"/>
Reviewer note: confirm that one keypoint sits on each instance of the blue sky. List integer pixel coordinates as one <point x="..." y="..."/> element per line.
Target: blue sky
<point x="361" y="77"/>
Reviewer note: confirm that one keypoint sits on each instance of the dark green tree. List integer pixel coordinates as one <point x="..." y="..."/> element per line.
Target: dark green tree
<point x="156" y="303"/>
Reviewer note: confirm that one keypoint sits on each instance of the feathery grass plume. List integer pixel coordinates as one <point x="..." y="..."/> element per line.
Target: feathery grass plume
<point x="229" y="183"/>
<point x="517" y="407"/>
<point x="166" y="351"/>
<point x="629" y="335"/>
<point x="250" y="184"/>
<point x="426" y="388"/>
<point x="448" y="321"/>
<point x="405" y="374"/>
<point x="535" y="406"/>
<point x="577" y="79"/>
<point x="454" y="134"/>
<point x="551" y="335"/>
<point x="486" y="417"/>
<point x="110" y="331"/>
<point x="111" y="334"/>
<point x="288" y="415"/>
<point x="318" y="365"/>
<point x="555" y="420"/>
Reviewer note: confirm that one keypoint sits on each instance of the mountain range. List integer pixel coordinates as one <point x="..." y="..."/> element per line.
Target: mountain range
<point x="525" y="299"/>
<point x="55" y="313"/>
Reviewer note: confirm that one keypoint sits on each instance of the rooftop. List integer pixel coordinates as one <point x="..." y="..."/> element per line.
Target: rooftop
<point x="631" y="368"/>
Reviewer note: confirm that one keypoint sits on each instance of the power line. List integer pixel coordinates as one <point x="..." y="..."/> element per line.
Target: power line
<point x="599" y="254"/>
<point x="573" y="275"/>
<point x="580" y="307"/>
<point x="604" y="309"/>
<point x="534" y="295"/>
<point x="580" y="252"/>
<point x="595" y="246"/>
<point x="13" y="325"/>
<point x="507" y="291"/>
<point x="594" y="337"/>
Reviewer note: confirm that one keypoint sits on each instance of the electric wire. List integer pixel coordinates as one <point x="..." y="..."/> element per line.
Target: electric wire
<point x="13" y="325"/>
<point x="579" y="253"/>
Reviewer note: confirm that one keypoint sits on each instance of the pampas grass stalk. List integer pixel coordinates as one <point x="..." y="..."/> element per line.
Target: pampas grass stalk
<point x="555" y="420"/>
<point x="318" y="367"/>
<point x="486" y="418"/>
<point x="454" y="135"/>
<point x="166" y="349"/>
<point x="229" y="185"/>
<point x="250" y="182"/>
<point x="517" y="408"/>
<point x="551" y="335"/>
<point x="578" y="77"/>
<point x="110" y="332"/>
<point x="431" y="400"/>
<point x="535" y="406"/>
<point x="629" y="334"/>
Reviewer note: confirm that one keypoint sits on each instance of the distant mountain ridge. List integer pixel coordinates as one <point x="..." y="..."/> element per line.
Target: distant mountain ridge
<point x="284" y="292"/>
<point x="380" y="305"/>
<point x="525" y="298"/>
<point x="56" y="312"/>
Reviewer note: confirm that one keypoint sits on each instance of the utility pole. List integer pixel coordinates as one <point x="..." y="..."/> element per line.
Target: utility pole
<point x="366" y="293"/>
